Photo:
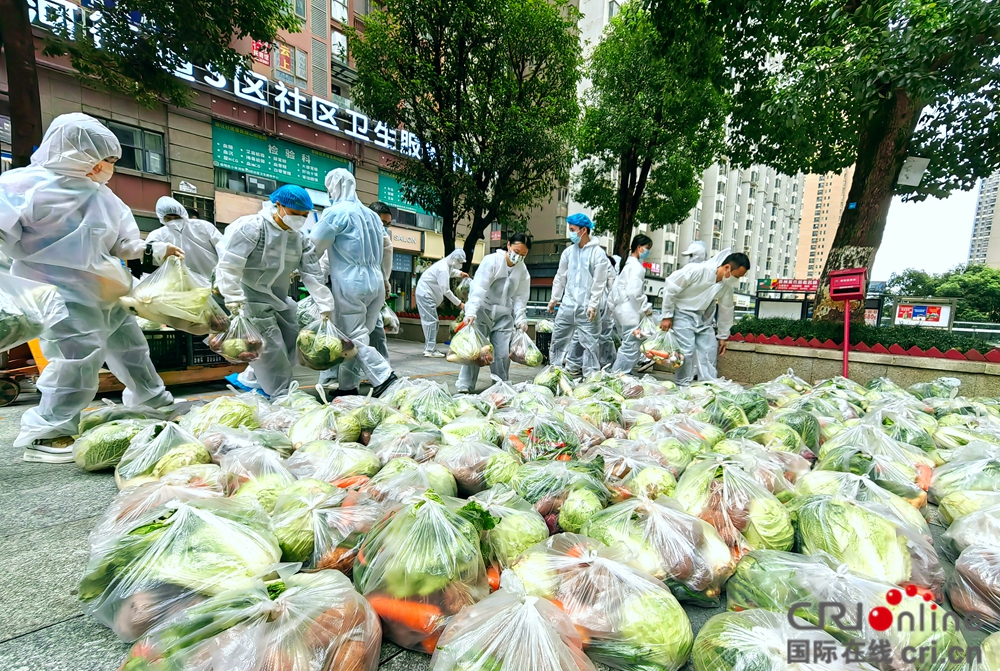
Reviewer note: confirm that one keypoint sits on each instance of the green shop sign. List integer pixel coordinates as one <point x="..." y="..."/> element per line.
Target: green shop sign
<point x="242" y="150"/>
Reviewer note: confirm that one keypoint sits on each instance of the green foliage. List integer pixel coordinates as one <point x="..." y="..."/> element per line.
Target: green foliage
<point x="489" y="86"/>
<point x="141" y="63"/>
<point x="976" y="287"/>
<point x="651" y="125"/>
<point x="904" y="336"/>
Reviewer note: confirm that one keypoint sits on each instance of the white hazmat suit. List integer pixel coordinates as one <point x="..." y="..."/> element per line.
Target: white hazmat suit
<point x="498" y="301"/>
<point x="196" y="237"/>
<point x="62" y="228"/>
<point x="579" y="286"/>
<point x="689" y="298"/>
<point x="629" y="304"/>
<point x="433" y="287"/>
<point x="257" y="257"/>
<point x="355" y="238"/>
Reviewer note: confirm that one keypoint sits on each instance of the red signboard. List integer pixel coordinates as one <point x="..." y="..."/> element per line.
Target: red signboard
<point x="801" y="286"/>
<point x="262" y="53"/>
<point x="496" y="235"/>
<point x="284" y="57"/>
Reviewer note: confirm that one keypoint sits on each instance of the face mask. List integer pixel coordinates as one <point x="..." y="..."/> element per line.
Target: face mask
<point x="294" y="221"/>
<point x="514" y="257"/>
<point x="104" y="175"/>
<point x="644" y="253"/>
<point x="574" y="237"/>
<point x="174" y="224"/>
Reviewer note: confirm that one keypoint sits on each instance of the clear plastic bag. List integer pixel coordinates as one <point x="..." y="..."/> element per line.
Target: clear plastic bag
<point x="297" y="623"/>
<point x="402" y="479"/>
<point x="462" y="287"/>
<point x="958" y="504"/>
<point x="544" y="435"/>
<point x="746" y="515"/>
<point x="975" y="467"/>
<point x="524" y="351"/>
<point x="865" y="537"/>
<point x="628" y="619"/>
<point x="467" y="461"/>
<point x="322" y="346"/>
<point x="646" y="329"/>
<point x="663" y="349"/>
<point x="322" y="526"/>
<point x="26" y="309"/>
<point x="544" y="326"/>
<point x="326" y="422"/>
<point x="758" y="640"/>
<point x="307" y="312"/>
<point x="228" y="411"/>
<point x="511" y="631"/>
<point x="220" y="440"/>
<point x="565" y="493"/>
<point x="658" y="537"/>
<point x="279" y="419"/>
<point x="556" y="380"/>
<point x="369" y="412"/>
<point x="177" y="297"/>
<point x="110" y="411"/>
<point x="981" y="527"/>
<point x="255" y="473"/>
<point x="473" y="428"/>
<point x="942" y="387"/>
<point x="658" y="406"/>
<point x="517" y="526"/>
<point x="421" y="565"/>
<point x="499" y="394"/>
<point x="427" y="402"/>
<point x="103" y="446"/>
<point x="240" y="343"/>
<point x="190" y="483"/>
<point x="604" y="416"/>
<point x="296" y="399"/>
<point x="417" y="441"/>
<point x="344" y="465"/>
<point x="633" y="468"/>
<point x="158" y="449"/>
<point x="174" y="557"/>
<point x="974" y="588"/>
<point x="390" y="320"/>
<point x="468" y="346"/>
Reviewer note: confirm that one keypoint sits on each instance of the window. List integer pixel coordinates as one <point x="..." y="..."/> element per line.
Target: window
<point x="142" y="150"/>
<point x="753" y="192"/>
<point x="560" y="226"/>
<point x="777" y="182"/>
<point x="205" y="207"/>
<point x="299" y="6"/>
<point x="669" y="247"/>
<point x="613" y="8"/>
<point x="720" y="187"/>
<point x="338" y="11"/>
<point x="338" y="46"/>
<point x="719" y="206"/>
<point x="291" y="66"/>
<point x="715" y="244"/>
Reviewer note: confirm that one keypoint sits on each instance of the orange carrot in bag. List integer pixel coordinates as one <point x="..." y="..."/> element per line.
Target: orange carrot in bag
<point x="422" y="617"/>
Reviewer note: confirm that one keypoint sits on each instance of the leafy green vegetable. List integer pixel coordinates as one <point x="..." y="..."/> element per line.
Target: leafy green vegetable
<point x="518" y="525"/>
<point x="103" y="446"/>
<point x="111" y="412"/>
<point x="225" y="411"/>
<point x="580" y="505"/>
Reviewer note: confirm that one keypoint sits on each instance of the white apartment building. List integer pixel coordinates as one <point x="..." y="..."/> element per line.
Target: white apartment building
<point x="985" y="245"/>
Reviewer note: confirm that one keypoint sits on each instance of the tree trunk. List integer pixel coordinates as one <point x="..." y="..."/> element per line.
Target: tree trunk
<point x="19" y="55"/>
<point x="626" y="211"/>
<point x="882" y="148"/>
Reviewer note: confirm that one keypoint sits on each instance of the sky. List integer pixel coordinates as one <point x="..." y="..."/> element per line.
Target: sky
<point x="932" y="235"/>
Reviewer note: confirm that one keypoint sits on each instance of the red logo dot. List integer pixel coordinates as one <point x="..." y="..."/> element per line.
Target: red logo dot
<point x="928" y="596"/>
<point x="893" y="597"/>
<point x="880" y="618"/>
<point x="933" y="606"/>
<point x="911" y="590"/>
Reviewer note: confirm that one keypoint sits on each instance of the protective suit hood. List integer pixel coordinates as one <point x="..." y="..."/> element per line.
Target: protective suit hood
<point x="166" y="206"/>
<point x="341" y="186"/>
<point x="74" y="144"/>
<point x="696" y="251"/>
<point x="456" y="258"/>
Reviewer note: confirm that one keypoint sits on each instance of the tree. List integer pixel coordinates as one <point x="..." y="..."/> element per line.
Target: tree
<point x="819" y="85"/>
<point x="651" y="125"/>
<point x="134" y="48"/>
<point x="912" y="282"/>
<point x="489" y="87"/>
<point x="976" y="287"/>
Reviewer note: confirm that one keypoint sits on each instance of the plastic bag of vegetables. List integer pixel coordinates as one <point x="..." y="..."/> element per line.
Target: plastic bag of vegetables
<point x="942" y="387"/>
<point x="544" y="326"/>
<point x="864" y="537"/>
<point x="417" y="441"/>
<point x="658" y="537"/>
<point x="724" y="412"/>
<point x="255" y="472"/>
<point x="220" y="440"/>
<point x="543" y="436"/>
<point x="646" y="329"/>
<point x="110" y="411"/>
<point x="746" y="515"/>
<point x="628" y="619"/>
<point x="781" y="581"/>
<point x="472" y="428"/>
<point x="344" y="465"/>
<point x="469" y="346"/>
<point x="467" y="461"/>
<point x="103" y="446"/>
<point x="224" y="411"/>
<point x="296" y="399"/>
<point x="793" y="381"/>
<point x="605" y="416"/>
<point x="777" y="394"/>
<point x="177" y="297"/>
<point x="556" y="380"/>
<point x="26" y="309"/>
<point x="402" y="479"/>
<point x="758" y="640"/>
<point x="956" y="505"/>
<point x="458" y="324"/>
<point x="975" y="467"/>
<point x="421" y="565"/>
<point x="633" y="468"/>
<point x="500" y="393"/>
<point x="190" y="483"/>
<point x="322" y="526"/>
<point x="173" y="557"/>
<point x="806" y="425"/>
<point x="663" y="349"/>
<point x="326" y="422"/>
<point x="517" y="526"/>
<point x="463" y="286"/>
<point x="511" y="631"/>
<point x="657" y="407"/>
<point x="321" y="346"/>
<point x="524" y="351"/>
<point x="777" y="437"/>
<point x="297" y="623"/>
<point x="240" y="343"/>
<point x="565" y="493"/>
<point x="678" y="438"/>
<point x="974" y="588"/>
<point x="978" y="528"/>
<point x="156" y="450"/>
<point x="429" y="402"/>
<point x="306" y="312"/>
<point x="390" y="320"/>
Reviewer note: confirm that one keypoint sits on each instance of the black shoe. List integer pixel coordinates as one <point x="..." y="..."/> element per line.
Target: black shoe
<point x="379" y="390"/>
<point x="342" y="392"/>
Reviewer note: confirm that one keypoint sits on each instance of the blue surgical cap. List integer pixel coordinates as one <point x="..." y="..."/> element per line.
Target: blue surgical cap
<point x="292" y="197"/>
<point x="579" y="219"/>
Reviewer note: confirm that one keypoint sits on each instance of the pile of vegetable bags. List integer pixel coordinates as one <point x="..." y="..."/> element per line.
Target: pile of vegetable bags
<point x="582" y="515"/>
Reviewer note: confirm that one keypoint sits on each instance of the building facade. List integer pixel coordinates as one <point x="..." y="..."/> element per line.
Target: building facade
<point x="824" y="200"/>
<point x="288" y="121"/>
<point x="984" y="248"/>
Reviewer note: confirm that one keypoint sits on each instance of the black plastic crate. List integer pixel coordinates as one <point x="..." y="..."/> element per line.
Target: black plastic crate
<point x="167" y="349"/>
<point x="201" y="355"/>
<point x="543" y="341"/>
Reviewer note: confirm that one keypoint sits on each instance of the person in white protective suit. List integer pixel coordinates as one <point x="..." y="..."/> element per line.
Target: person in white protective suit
<point x="197" y="238"/>
<point x="696" y="252"/>
<point x="257" y="256"/>
<point x="578" y="288"/>
<point x="433" y="287"/>
<point x="630" y="304"/>
<point x="498" y="303"/>
<point x="607" y="350"/>
<point x="355" y="237"/>
<point x="61" y="224"/>
<point x="689" y="299"/>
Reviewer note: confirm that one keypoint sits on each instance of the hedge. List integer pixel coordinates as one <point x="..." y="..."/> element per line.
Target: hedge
<point x="904" y="336"/>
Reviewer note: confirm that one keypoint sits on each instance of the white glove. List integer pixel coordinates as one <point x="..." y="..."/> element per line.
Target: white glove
<point x="591" y="314"/>
<point x="522" y="327"/>
<point x="649" y="311"/>
<point x="327" y="315"/>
